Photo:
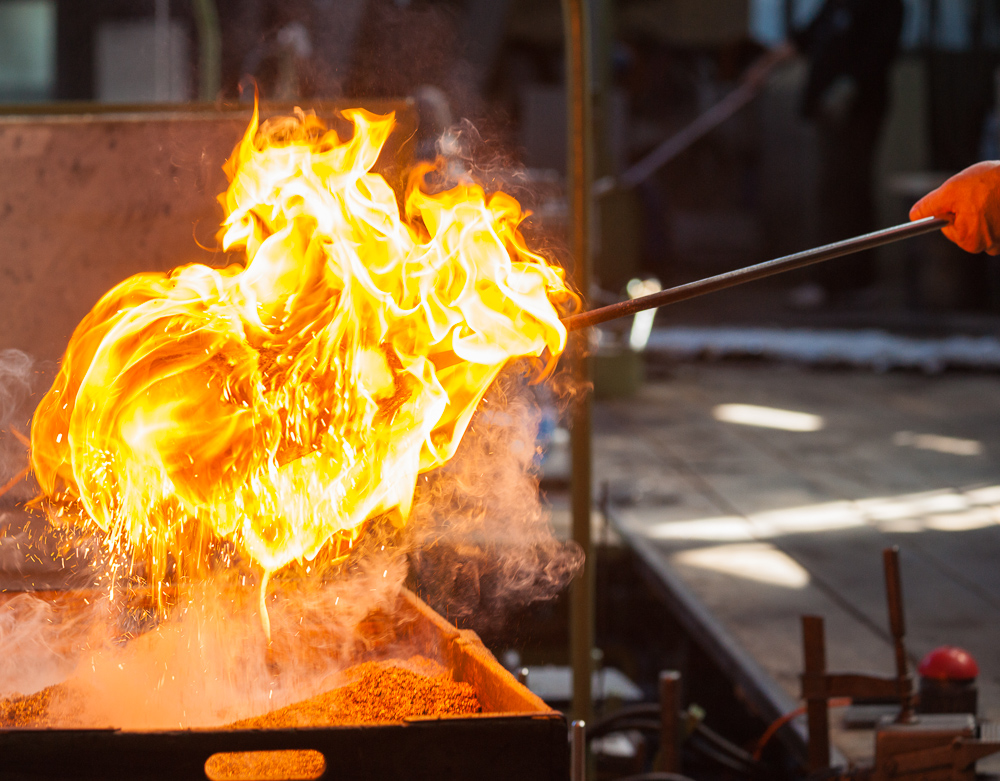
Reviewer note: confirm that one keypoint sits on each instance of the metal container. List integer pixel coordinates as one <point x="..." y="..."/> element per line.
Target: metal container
<point x="516" y="737"/>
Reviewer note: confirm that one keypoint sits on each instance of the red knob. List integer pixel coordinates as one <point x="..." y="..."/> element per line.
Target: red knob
<point x="949" y="663"/>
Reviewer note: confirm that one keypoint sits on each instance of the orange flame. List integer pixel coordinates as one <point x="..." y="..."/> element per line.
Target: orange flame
<point x="280" y="404"/>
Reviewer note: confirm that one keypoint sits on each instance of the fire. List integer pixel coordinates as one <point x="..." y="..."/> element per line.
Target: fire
<point x="270" y="408"/>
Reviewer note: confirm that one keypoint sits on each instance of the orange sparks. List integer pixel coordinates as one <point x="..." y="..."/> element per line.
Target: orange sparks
<point x="279" y="403"/>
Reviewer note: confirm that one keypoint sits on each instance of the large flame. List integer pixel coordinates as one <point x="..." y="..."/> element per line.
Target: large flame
<point x="279" y="404"/>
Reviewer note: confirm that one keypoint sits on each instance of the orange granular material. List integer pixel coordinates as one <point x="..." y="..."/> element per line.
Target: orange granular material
<point x="26" y="711"/>
<point x="377" y="692"/>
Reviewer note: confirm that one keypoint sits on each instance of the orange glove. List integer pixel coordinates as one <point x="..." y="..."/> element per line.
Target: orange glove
<point x="971" y="200"/>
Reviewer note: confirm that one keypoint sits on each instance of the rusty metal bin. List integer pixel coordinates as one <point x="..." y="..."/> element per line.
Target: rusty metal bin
<point x="516" y="737"/>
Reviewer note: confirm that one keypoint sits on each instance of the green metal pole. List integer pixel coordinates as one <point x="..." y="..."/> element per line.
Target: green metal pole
<point x="579" y="176"/>
<point x="206" y="19"/>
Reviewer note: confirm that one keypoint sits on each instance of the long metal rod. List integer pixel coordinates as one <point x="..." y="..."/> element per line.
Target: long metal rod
<point x="580" y="129"/>
<point x="759" y="271"/>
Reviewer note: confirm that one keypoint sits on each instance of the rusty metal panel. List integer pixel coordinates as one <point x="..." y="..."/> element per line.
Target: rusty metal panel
<point x="87" y="200"/>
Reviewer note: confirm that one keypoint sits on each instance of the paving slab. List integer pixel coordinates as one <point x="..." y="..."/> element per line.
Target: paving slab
<point x="765" y="524"/>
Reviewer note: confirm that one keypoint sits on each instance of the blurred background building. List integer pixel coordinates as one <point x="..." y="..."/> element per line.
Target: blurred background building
<point x="746" y="192"/>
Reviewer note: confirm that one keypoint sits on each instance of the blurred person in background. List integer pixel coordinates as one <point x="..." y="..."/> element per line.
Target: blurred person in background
<point x="850" y="46"/>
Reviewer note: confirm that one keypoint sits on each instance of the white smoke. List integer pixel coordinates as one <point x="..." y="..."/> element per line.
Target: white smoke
<point x="16" y="376"/>
<point x="480" y="538"/>
<point x="15" y="384"/>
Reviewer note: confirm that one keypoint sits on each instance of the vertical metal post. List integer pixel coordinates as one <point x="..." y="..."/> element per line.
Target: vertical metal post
<point x="897" y="625"/>
<point x="670" y="722"/>
<point x="206" y="19"/>
<point x="579" y="137"/>
<point x="161" y="50"/>
<point x="578" y="751"/>
<point x="814" y="647"/>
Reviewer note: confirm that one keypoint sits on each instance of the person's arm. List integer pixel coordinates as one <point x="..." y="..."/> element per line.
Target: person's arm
<point x="971" y="200"/>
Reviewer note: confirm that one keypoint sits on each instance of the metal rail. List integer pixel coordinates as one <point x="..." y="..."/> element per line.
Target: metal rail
<point x="580" y="130"/>
<point x="759" y="271"/>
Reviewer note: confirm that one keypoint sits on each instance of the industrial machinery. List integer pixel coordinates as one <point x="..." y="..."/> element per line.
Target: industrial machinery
<point x="911" y="745"/>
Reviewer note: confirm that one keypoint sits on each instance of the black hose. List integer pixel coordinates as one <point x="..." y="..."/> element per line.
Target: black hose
<point x="631" y="711"/>
<point x="700" y="746"/>
<point x="641" y="713"/>
<point x="728" y="747"/>
<point x="705" y="741"/>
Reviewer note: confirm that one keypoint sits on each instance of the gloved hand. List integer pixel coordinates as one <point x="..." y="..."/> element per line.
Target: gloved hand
<point x="971" y="200"/>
